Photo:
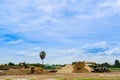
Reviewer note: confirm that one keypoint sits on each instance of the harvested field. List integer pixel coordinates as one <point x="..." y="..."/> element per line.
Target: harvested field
<point x="77" y="71"/>
<point x="72" y="76"/>
<point x="21" y="71"/>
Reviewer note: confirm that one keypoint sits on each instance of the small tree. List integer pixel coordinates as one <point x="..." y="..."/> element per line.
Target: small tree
<point x="42" y="56"/>
<point x="105" y="64"/>
<point x="117" y="63"/>
<point x="11" y="64"/>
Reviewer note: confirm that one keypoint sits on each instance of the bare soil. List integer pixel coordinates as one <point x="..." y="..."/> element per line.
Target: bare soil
<point x="71" y="76"/>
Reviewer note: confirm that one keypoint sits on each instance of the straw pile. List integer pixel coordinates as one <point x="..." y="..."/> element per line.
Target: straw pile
<point x="22" y="71"/>
<point x="89" y="69"/>
<point x="81" y="67"/>
<point x="67" y="69"/>
<point x="78" y="67"/>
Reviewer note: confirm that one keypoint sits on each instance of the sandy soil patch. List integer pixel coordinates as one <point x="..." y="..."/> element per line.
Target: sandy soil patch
<point x="54" y="76"/>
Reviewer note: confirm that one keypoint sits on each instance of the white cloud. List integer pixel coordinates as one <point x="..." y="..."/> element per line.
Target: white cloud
<point x="100" y="10"/>
<point x="53" y="13"/>
<point x="19" y="41"/>
<point x="36" y="48"/>
<point x="68" y="55"/>
<point x="107" y="8"/>
<point x="65" y="23"/>
<point x="101" y="44"/>
<point x="113" y="51"/>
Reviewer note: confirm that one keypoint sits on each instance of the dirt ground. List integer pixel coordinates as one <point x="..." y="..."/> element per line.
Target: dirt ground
<point x="72" y="76"/>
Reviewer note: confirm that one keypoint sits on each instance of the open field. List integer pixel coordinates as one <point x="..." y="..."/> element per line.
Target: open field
<point x="72" y="76"/>
<point x="114" y="69"/>
<point x="78" y="71"/>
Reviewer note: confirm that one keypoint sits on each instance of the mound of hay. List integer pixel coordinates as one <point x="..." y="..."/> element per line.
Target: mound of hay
<point x="22" y="71"/>
<point x="78" y="67"/>
<point x="2" y="67"/>
<point x="17" y="72"/>
<point x="39" y="70"/>
<point x="89" y="69"/>
<point x="67" y="69"/>
<point x="81" y="67"/>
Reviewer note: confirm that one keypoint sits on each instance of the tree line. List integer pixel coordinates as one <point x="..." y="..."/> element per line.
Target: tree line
<point x="116" y="64"/>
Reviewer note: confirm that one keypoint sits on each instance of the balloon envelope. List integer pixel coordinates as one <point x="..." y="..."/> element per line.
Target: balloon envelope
<point x="42" y="55"/>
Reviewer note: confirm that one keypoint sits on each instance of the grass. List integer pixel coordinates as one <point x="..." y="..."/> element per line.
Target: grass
<point x="89" y="79"/>
<point x="8" y="79"/>
<point x="77" y="79"/>
<point x="114" y="69"/>
<point x="32" y="79"/>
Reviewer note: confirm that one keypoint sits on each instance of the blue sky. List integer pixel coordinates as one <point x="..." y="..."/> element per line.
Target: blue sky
<point x="67" y="30"/>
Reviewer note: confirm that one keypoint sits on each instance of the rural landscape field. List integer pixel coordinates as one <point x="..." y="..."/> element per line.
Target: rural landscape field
<point x="76" y="76"/>
<point x="59" y="39"/>
<point x="75" y="71"/>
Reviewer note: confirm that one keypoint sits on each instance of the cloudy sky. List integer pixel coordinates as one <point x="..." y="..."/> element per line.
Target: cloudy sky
<point x="67" y="30"/>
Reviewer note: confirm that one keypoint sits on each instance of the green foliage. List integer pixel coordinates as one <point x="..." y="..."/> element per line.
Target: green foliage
<point x="114" y="69"/>
<point x="73" y="63"/>
<point x="47" y="66"/>
<point x="105" y="64"/>
<point x="36" y="64"/>
<point x="8" y="79"/>
<point x="87" y="79"/>
<point x="32" y="79"/>
<point x="11" y="64"/>
<point x="117" y="64"/>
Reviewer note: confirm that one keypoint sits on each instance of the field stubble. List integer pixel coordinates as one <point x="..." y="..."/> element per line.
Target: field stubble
<point x="71" y="76"/>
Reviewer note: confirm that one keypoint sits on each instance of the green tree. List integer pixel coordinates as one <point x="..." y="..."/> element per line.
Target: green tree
<point x="11" y="64"/>
<point x="105" y="64"/>
<point x="36" y="64"/>
<point x="117" y="63"/>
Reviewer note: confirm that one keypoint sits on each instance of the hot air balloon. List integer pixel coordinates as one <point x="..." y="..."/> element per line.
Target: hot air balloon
<point x="42" y="55"/>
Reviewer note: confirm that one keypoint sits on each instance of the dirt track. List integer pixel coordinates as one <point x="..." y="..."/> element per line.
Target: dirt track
<point x="54" y="76"/>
